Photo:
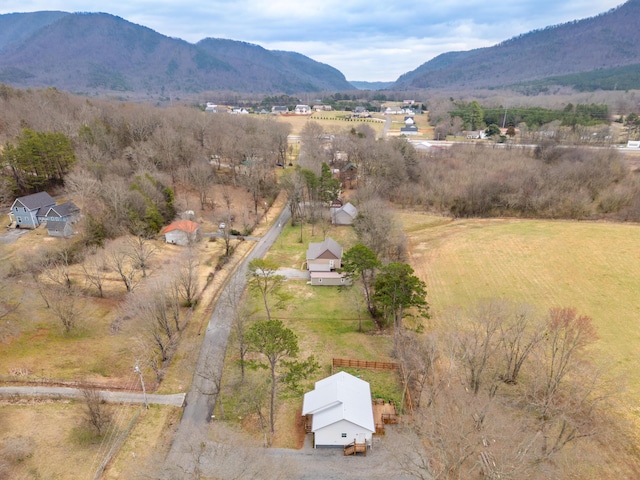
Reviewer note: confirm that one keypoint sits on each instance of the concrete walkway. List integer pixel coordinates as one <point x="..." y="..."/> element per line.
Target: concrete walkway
<point x="176" y="399"/>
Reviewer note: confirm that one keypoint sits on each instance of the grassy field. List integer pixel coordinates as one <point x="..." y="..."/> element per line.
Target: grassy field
<point x="326" y="319"/>
<point x="336" y="121"/>
<point x="331" y="122"/>
<point x="594" y="267"/>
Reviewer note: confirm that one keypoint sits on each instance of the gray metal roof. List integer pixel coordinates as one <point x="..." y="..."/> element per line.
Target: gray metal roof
<point x="350" y="209"/>
<point x="317" y="249"/>
<point x="36" y="200"/>
<point x="65" y="209"/>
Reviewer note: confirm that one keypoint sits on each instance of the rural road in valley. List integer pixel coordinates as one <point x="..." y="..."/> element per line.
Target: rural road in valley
<point x="201" y="399"/>
<point x="176" y="399"/>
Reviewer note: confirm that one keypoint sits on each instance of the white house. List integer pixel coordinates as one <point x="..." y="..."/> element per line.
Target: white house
<point x="341" y="410"/>
<point x="302" y="110"/>
<point x="344" y="215"/>
<point x="181" y="232"/>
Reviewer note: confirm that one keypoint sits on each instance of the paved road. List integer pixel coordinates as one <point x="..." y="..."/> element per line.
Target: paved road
<point x="175" y="400"/>
<point x="201" y="398"/>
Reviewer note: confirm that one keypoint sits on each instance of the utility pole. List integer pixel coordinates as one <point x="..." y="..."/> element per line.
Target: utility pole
<point x="144" y="391"/>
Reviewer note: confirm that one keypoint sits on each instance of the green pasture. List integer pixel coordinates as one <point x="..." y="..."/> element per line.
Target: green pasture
<point x="593" y="267"/>
<point x="326" y="319"/>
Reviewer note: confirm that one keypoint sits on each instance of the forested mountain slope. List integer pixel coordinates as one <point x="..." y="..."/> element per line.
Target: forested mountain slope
<point x="100" y="52"/>
<point x="599" y="43"/>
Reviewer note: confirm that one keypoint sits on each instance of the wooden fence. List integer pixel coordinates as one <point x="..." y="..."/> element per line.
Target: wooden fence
<point x="343" y="362"/>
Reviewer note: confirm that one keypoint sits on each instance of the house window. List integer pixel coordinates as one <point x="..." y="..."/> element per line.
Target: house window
<point x="344" y="435"/>
<point x="319" y="280"/>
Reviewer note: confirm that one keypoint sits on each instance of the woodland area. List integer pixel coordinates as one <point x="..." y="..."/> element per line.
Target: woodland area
<point x="130" y="167"/>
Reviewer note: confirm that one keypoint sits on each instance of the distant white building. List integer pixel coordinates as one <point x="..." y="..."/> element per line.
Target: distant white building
<point x="341" y="410"/>
<point x="302" y="110"/>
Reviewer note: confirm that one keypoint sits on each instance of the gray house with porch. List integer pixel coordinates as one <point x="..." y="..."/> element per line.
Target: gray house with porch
<point x="30" y="211"/>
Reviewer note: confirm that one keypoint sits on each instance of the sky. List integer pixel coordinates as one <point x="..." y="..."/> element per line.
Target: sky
<point x="370" y="40"/>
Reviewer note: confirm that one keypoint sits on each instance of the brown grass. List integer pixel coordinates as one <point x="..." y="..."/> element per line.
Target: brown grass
<point x="53" y="431"/>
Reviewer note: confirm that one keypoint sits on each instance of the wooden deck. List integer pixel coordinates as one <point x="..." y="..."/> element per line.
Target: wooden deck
<point x="384" y="413"/>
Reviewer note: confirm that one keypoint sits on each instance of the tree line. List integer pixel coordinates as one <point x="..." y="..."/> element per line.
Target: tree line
<point x="474" y="116"/>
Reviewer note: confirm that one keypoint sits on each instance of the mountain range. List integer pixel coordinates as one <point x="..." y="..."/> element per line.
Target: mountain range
<point x="89" y="52"/>
<point x="102" y="53"/>
<point x="578" y="54"/>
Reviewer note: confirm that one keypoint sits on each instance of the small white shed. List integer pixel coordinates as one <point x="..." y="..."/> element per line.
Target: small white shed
<point x="341" y="410"/>
<point x="181" y="232"/>
<point x="344" y="215"/>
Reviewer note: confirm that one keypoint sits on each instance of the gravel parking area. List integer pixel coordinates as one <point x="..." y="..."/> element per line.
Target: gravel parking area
<point x="12" y="234"/>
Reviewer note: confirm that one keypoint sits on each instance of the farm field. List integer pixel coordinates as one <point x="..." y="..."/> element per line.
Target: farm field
<point x="593" y="267"/>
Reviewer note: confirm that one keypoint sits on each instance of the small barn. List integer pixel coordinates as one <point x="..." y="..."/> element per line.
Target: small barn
<point x="181" y="232"/>
<point x="344" y="215"/>
<point x="324" y="256"/>
<point x="328" y="279"/>
<point x="56" y="228"/>
<point x="341" y="411"/>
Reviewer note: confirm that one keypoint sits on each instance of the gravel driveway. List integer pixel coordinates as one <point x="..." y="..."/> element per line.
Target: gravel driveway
<point x="294" y="274"/>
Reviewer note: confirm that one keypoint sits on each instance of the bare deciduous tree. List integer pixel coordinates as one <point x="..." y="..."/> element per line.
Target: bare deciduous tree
<point x="201" y="177"/>
<point x="187" y="277"/>
<point x="141" y="250"/>
<point x="477" y="341"/>
<point x="96" y="411"/>
<point x="566" y="390"/>
<point x="95" y="269"/>
<point x="63" y="304"/>
<point x="519" y="335"/>
<point x="419" y="355"/>
<point x="120" y="261"/>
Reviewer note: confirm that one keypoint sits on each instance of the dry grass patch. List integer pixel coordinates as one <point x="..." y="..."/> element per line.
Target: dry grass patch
<point x="150" y="438"/>
<point x="594" y="267"/>
<point x="51" y="439"/>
